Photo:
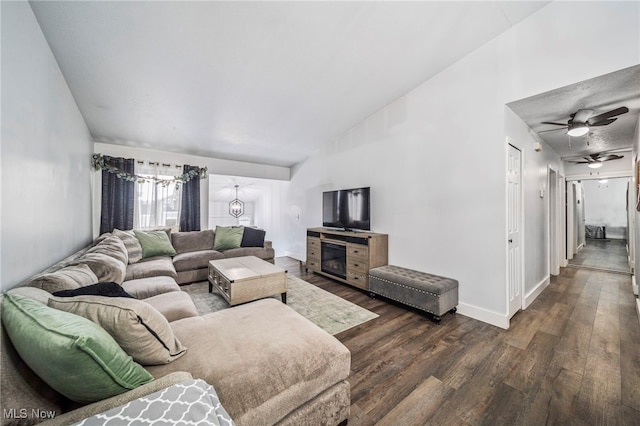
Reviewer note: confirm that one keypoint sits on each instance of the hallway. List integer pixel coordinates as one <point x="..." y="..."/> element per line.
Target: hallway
<point x="608" y="254"/>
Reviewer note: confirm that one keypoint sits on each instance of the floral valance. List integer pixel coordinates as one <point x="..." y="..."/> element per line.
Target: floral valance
<point x="99" y="164"/>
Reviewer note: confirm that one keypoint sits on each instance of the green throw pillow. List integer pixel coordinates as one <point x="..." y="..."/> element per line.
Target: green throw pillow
<point x="70" y="353"/>
<point x="228" y="237"/>
<point x="155" y="243"/>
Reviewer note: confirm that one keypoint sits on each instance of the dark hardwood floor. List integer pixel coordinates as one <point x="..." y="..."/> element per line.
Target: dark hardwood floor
<point x="571" y="358"/>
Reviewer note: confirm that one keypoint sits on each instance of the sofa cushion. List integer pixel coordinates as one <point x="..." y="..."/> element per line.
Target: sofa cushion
<point x="73" y="355"/>
<point x="154" y="267"/>
<point x="111" y="246"/>
<point x="104" y="266"/>
<point x="138" y="328"/>
<point x="173" y="306"/>
<point x="227" y="237"/>
<point x="70" y="277"/>
<point x="143" y="288"/>
<point x="253" y="237"/>
<point x="262" y="253"/>
<point x="155" y="243"/>
<point x="131" y="243"/>
<point x="275" y="366"/>
<point x="109" y="289"/>
<point x="34" y="293"/>
<point x="192" y="241"/>
<point x="195" y="259"/>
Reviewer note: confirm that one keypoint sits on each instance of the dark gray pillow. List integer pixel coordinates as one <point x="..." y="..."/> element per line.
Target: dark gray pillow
<point x="253" y="237"/>
<point x="109" y="289"/>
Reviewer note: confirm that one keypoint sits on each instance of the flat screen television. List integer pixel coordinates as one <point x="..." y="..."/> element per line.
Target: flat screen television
<point x="347" y="208"/>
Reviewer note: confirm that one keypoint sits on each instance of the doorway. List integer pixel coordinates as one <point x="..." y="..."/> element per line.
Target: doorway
<point x="600" y="221"/>
<point x="554" y="221"/>
<point x="514" y="231"/>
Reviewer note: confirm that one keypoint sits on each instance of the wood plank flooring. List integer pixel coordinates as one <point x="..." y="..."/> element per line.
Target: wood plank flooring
<point x="571" y="358"/>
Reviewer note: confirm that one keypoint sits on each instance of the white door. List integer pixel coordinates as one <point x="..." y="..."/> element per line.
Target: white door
<point x="554" y="257"/>
<point x="514" y="224"/>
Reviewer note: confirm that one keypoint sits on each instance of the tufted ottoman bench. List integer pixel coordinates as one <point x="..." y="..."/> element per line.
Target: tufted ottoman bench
<point x="430" y="293"/>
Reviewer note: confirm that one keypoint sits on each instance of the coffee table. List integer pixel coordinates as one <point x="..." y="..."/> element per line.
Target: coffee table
<point x="248" y="278"/>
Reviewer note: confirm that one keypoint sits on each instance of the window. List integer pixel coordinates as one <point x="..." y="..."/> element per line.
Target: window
<point x="157" y="205"/>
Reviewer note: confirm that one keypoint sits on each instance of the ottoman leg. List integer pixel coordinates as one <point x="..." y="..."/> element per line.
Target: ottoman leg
<point x="436" y="318"/>
<point x="283" y="296"/>
<point x="453" y="311"/>
<point x="372" y="295"/>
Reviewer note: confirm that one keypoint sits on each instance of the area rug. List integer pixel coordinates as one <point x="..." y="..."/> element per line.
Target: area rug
<point x="328" y="311"/>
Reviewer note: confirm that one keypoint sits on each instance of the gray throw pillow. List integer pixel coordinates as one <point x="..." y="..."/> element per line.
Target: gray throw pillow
<point x="142" y="331"/>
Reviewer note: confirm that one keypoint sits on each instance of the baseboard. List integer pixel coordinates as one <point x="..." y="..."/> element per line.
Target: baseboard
<point x="297" y="256"/>
<point x="580" y="247"/>
<point x="484" y="315"/>
<point x="533" y="294"/>
<point x="638" y="308"/>
<point x="634" y="285"/>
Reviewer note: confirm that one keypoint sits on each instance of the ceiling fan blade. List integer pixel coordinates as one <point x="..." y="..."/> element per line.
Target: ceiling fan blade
<point x="612" y="113"/>
<point x="602" y="122"/>
<point x="610" y="157"/>
<point x="582" y="115"/>
<point x="556" y="124"/>
<point x="553" y="130"/>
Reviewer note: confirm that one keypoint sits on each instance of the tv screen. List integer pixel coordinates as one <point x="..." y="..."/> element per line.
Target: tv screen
<point x="346" y="208"/>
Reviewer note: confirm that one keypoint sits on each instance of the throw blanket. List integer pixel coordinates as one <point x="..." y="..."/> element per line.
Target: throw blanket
<point x="193" y="402"/>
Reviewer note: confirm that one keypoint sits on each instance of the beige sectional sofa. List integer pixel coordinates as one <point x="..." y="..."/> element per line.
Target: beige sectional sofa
<point x="268" y="364"/>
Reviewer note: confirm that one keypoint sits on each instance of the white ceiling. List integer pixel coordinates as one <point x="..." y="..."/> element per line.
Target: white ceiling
<point x="600" y="94"/>
<point x="266" y="82"/>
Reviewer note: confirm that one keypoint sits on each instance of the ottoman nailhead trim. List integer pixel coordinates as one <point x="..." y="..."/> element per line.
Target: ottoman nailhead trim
<point x="405" y="286"/>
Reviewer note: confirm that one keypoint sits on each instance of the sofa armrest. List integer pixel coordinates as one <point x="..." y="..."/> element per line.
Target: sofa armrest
<point x="115" y="401"/>
<point x="268" y="244"/>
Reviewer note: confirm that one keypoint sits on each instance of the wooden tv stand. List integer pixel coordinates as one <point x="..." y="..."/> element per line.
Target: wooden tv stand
<point x="348" y="255"/>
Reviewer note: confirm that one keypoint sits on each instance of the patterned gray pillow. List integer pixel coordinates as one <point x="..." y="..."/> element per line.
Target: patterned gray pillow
<point x="134" y="249"/>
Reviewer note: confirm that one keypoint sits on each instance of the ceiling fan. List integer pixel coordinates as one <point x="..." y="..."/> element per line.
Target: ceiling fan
<point x="595" y="160"/>
<point x="582" y="120"/>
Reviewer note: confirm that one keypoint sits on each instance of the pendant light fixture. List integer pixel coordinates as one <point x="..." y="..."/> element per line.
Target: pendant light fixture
<point x="236" y="207"/>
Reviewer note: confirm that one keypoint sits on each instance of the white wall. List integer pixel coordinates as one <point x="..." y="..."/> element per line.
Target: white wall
<point x="606" y="204"/>
<point x="46" y="154"/>
<point x="536" y="207"/>
<point x="435" y="159"/>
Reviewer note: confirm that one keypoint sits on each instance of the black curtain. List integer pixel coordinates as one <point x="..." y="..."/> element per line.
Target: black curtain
<point x="190" y="207"/>
<point x="117" y="196"/>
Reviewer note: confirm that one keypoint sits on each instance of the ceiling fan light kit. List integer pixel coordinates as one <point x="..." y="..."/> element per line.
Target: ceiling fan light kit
<point x="579" y="129"/>
<point x="582" y="120"/>
<point x="594" y="165"/>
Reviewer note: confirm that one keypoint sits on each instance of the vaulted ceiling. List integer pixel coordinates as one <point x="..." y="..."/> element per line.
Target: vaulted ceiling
<point x="266" y="82"/>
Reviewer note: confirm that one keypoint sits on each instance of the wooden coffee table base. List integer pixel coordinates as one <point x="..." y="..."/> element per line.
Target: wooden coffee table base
<point x="244" y="279"/>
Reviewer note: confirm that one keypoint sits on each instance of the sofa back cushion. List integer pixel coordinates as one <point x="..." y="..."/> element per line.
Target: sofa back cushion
<point x="105" y="267"/>
<point x="131" y="243"/>
<point x="70" y="353"/>
<point x="111" y="246"/>
<point x="67" y="278"/>
<point x="185" y="242"/>
<point x="135" y="325"/>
